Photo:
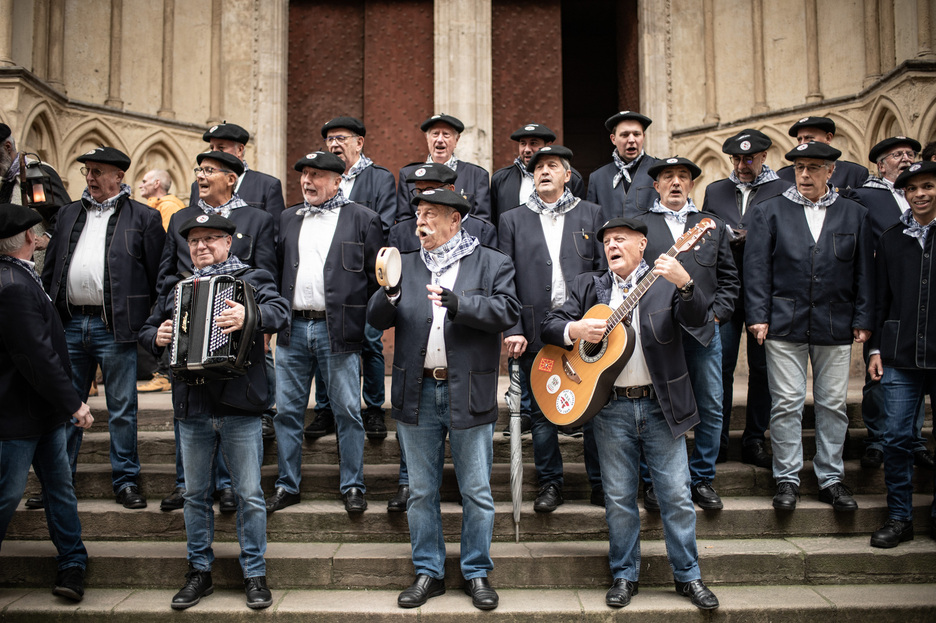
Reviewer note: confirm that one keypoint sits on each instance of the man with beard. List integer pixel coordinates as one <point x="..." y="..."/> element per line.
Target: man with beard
<point x="622" y="187"/>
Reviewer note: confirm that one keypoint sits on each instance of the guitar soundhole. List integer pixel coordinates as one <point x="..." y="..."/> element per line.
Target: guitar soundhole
<point x="591" y="353"/>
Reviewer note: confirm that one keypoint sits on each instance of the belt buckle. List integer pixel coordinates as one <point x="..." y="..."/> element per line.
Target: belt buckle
<point x="634" y="392"/>
<point x="439" y="374"/>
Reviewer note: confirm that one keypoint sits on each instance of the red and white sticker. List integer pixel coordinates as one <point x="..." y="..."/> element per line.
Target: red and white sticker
<point x="565" y="401"/>
<point x="553" y="383"/>
<point x="546" y="365"/>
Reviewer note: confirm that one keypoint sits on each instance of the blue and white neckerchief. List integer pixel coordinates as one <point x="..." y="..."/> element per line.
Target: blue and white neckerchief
<point x="766" y="175"/>
<point x="824" y="202"/>
<point x="228" y="266"/>
<point x="225" y="208"/>
<point x="523" y="170"/>
<point x="13" y="171"/>
<point x="452" y="162"/>
<point x="566" y="202"/>
<point x="446" y="255"/>
<point x="359" y="166"/>
<point x="91" y="204"/>
<point x="332" y="204"/>
<point x="626" y="285"/>
<point x="30" y="268"/>
<point x="680" y="217"/>
<point x="914" y="229"/>
<point x="624" y="169"/>
<point x="882" y="183"/>
<point x="246" y="168"/>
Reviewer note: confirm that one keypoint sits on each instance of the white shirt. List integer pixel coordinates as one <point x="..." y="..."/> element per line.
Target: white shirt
<point x="315" y="240"/>
<point x="815" y="217"/>
<point x="526" y="188"/>
<point x="347" y="185"/>
<point x="552" y="229"/>
<point x="85" y="283"/>
<point x="898" y="194"/>
<point x="435" y="348"/>
<point x="745" y="195"/>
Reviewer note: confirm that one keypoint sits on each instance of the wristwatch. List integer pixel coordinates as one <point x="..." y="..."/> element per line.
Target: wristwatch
<point x="687" y="289"/>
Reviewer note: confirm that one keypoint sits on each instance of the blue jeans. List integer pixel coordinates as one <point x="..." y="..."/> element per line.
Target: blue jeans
<point x="757" y="413"/>
<point x="372" y="369"/>
<point x="238" y="439"/>
<point x="90" y="343"/>
<point x="296" y="363"/>
<point x="705" y="372"/>
<point x="786" y="367"/>
<point x="904" y="390"/>
<point x="472" y="456"/>
<point x="222" y="473"/>
<point x="623" y="428"/>
<point x="49" y="459"/>
<point x="873" y="413"/>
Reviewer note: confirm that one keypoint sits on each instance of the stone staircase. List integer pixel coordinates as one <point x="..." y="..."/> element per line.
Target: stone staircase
<point x="323" y="565"/>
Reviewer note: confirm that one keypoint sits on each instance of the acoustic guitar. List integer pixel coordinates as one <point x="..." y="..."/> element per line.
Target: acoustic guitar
<point x="571" y="386"/>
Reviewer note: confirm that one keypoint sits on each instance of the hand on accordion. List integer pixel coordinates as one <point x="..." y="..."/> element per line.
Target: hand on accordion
<point x="164" y="333"/>
<point x="232" y="319"/>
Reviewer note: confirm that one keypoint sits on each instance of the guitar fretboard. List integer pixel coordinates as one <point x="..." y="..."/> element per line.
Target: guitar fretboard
<point x="630" y="302"/>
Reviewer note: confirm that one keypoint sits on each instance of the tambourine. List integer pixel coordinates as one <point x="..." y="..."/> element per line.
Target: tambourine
<point x="388" y="267"/>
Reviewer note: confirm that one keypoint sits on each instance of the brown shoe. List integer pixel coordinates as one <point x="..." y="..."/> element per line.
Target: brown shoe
<point x="94" y="390"/>
<point x="158" y="383"/>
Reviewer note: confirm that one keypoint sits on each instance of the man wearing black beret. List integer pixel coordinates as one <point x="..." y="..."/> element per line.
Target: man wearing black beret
<point x="100" y="272"/>
<point x="513" y="185"/>
<point x="38" y="399"/>
<point x="751" y="181"/>
<point x="808" y="282"/>
<point x="822" y="130"/>
<point x="622" y="187"/>
<point x="326" y="257"/>
<point x="473" y="182"/>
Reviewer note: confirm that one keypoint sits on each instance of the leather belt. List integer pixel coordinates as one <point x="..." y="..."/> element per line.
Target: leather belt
<point x="439" y="374"/>
<point x="88" y="310"/>
<point x="309" y="314"/>
<point x="635" y="392"/>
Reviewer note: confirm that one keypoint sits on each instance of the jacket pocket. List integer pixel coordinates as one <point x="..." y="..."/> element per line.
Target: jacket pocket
<point x="133" y="240"/>
<point x="843" y="245"/>
<point x="352" y="256"/>
<point x="680" y="393"/>
<point x="782" y="312"/>
<point x="840" y="320"/>
<point x="584" y="244"/>
<point x="662" y="325"/>
<point x="352" y="323"/>
<point x="243" y="246"/>
<point x="138" y="310"/>
<point x="706" y="253"/>
<point x="397" y="387"/>
<point x="890" y="334"/>
<point x="482" y="392"/>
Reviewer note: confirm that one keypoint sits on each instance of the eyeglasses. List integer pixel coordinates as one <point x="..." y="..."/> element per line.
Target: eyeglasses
<point x="209" y="171"/>
<point x="739" y="159"/>
<point x="812" y="168"/>
<point x="338" y="138"/>
<point x="93" y="172"/>
<point x="208" y="240"/>
<point x="897" y="155"/>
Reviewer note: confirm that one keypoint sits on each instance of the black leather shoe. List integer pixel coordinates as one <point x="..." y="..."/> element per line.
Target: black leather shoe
<point x="705" y="496"/>
<point x="228" y="503"/>
<point x="923" y="460"/>
<point x="701" y="596"/>
<point x="420" y="591"/>
<point x="354" y="501"/>
<point x="130" y="497"/>
<point x="620" y="593"/>
<point x="839" y="497"/>
<point x="892" y="533"/>
<point x="397" y="504"/>
<point x="69" y="583"/>
<point x="258" y="595"/>
<point x="597" y="496"/>
<point x="197" y="585"/>
<point x="323" y="424"/>
<point x="549" y="498"/>
<point x="651" y="503"/>
<point x="267" y="430"/>
<point x="374" y="426"/>
<point x="756" y="454"/>
<point x="483" y="597"/>
<point x="174" y="501"/>
<point x="787" y="494"/>
<point x="872" y="458"/>
<point x="280" y="499"/>
<point x="35" y="503"/>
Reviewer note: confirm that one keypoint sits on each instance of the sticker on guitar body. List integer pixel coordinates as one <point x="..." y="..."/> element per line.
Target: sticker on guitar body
<point x="553" y="383"/>
<point x="546" y="365"/>
<point x="565" y="401"/>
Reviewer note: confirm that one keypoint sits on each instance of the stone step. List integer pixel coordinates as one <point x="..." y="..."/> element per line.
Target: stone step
<point x="323" y="518"/>
<point x="529" y="564"/>
<point x="851" y="603"/>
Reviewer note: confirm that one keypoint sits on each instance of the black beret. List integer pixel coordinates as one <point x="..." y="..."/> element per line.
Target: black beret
<point x="350" y="123"/>
<point x="208" y="221"/>
<point x="534" y="130"/>
<point x="917" y="168"/>
<point x="324" y="160"/>
<point x="550" y="150"/>
<point x="622" y="221"/>
<point x="106" y="155"/>
<point x="5" y="132"/>
<point x="227" y="131"/>
<point x="443" y="197"/>
<point x="889" y="143"/>
<point x="823" y="123"/>
<point x="676" y="161"/>
<point x="746" y="142"/>
<point x="15" y="219"/>
<point x="626" y="115"/>
<point x="813" y="149"/>
<point x="449" y="119"/>
<point x="432" y="172"/>
<point x="231" y="161"/>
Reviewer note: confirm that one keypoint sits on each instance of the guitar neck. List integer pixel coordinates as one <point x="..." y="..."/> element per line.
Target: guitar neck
<point x="630" y="302"/>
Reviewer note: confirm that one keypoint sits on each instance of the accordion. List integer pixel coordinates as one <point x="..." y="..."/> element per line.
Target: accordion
<point x="199" y="351"/>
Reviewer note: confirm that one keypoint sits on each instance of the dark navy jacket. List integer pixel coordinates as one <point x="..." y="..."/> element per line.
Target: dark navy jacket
<point x="349" y="272"/>
<point x="625" y="200"/>
<point x="473" y="182"/>
<point x="505" y="189"/>
<point x="134" y="243"/>
<point x="375" y="188"/>
<point x="403" y="234"/>
<point x="883" y="209"/>
<point x="846" y="175"/>
<point x="258" y="190"/>
<point x="809" y="292"/>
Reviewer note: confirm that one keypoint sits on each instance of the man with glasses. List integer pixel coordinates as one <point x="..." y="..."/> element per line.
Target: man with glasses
<point x="216" y="177"/>
<point x="808" y="295"/>
<point x="822" y="130"/>
<point x="886" y="204"/>
<point x="100" y="273"/>
<point x="751" y="181"/>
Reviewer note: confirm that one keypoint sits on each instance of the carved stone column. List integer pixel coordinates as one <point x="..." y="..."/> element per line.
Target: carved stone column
<point x="168" y="36"/>
<point x="711" y="93"/>
<point x="872" y="37"/>
<point x="40" y="47"/>
<point x="653" y="19"/>
<point x="217" y="94"/>
<point x="6" y="32"/>
<point x="463" y="73"/>
<point x="888" y="42"/>
<point x="116" y="43"/>
<point x="56" y="45"/>
<point x="924" y="30"/>
<point x="272" y="72"/>
<point x="813" y="91"/>
<point x="760" y="83"/>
